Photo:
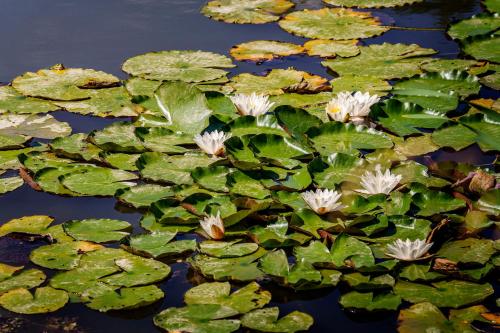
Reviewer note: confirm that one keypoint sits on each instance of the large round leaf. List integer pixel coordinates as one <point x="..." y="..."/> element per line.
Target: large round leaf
<point x="117" y="137"/>
<point x="31" y="225"/>
<point x="97" y="230"/>
<point x="40" y="126"/>
<point x="369" y="301"/>
<point x="14" y="102"/>
<point x="63" y="84"/>
<point x="126" y="298"/>
<point x="28" y="279"/>
<point x="188" y="66"/>
<point x="160" y="244"/>
<point x="372" y="84"/>
<point x="10" y="184"/>
<point x="266" y="320"/>
<point x="246" y="11"/>
<point x="45" y="299"/>
<point x="484" y="47"/>
<point x="477" y="25"/>
<point x="142" y="196"/>
<point x="370" y="3"/>
<point x="63" y="256"/>
<point x="331" y="23"/>
<point x="261" y="50"/>
<point x="331" y="48"/>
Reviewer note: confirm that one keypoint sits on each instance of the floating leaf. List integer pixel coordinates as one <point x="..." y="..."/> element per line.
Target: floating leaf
<point x="244" y="11"/>
<point x="76" y="147"/>
<point x="420" y="273"/>
<point x="332" y="48"/>
<point x="63" y="84"/>
<point x="266" y="320"/>
<point x="188" y="66"/>
<point x="476" y="25"/>
<point x="44" y="127"/>
<point x="10" y="184"/>
<point x="484" y="47"/>
<point x="212" y="178"/>
<point x="309" y="222"/>
<point x="11" y="101"/>
<point x="97" y="230"/>
<point x="278" y="150"/>
<point x="122" y="161"/>
<point x="163" y="140"/>
<point x="330" y="23"/>
<point x="335" y="169"/>
<point x="384" y="61"/>
<point x="244" y="185"/>
<point x="492" y="5"/>
<point x="117" y="137"/>
<point x="371" y="84"/>
<point x="231" y="249"/>
<point x="45" y="299"/>
<point x="469" y="250"/>
<point x="277" y="82"/>
<point x="337" y="137"/>
<point x="31" y="225"/>
<point x="371" y="3"/>
<point x="275" y="235"/>
<point x="29" y="278"/>
<point x="362" y="282"/>
<point x="261" y="50"/>
<point x="126" y="298"/>
<point x="63" y="256"/>
<point x="198" y="318"/>
<point x="492" y="81"/>
<point x="369" y="301"/>
<point x="144" y="195"/>
<point x="489" y="202"/>
<point x="473" y="67"/>
<point x="245" y="299"/>
<point x="159" y="244"/>
<point x="453" y="294"/>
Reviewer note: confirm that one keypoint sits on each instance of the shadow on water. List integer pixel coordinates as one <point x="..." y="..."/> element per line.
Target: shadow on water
<point x="101" y="35"/>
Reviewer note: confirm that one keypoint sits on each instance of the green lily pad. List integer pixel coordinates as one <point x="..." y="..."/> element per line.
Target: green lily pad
<point x="437" y="92"/>
<point x="489" y="202"/>
<point x="29" y="278"/>
<point x="245" y="299"/>
<point x="426" y="317"/>
<point x="188" y="66"/>
<point x="143" y="195"/>
<point x="49" y="178"/>
<point x="76" y="147"/>
<point x="472" y="67"/>
<point x="45" y="299"/>
<point x="484" y="47"/>
<point x="278" y="150"/>
<point x="97" y="181"/>
<point x="63" y="256"/>
<point x="275" y="235"/>
<point x="63" y="84"/>
<point x="121" y="161"/>
<point x="492" y="81"/>
<point x="277" y="82"/>
<point x="453" y="294"/>
<point x="212" y="178"/>
<point x="163" y="140"/>
<point x="261" y="50"/>
<point x="97" y="230"/>
<point x="330" y="23"/>
<point x="434" y="202"/>
<point x="40" y="126"/>
<point x="332" y="48"/>
<point x="159" y="244"/>
<point x="231" y="249"/>
<point x="335" y="137"/>
<point x="11" y="101"/>
<point x="198" y="318"/>
<point x="404" y="118"/>
<point x="492" y="5"/>
<point x="13" y="141"/>
<point x="364" y="282"/>
<point x="476" y="25"/>
<point x="10" y="184"/>
<point x="242" y="11"/>
<point x="126" y="298"/>
<point x="372" y="84"/>
<point x="420" y="273"/>
<point x="335" y="169"/>
<point x="369" y="301"/>
<point x="266" y="320"/>
<point x="234" y="269"/>
<point x="117" y="137"/>
<point x="371" y="3"/>
<point x="184" y="106"/>
<point x="469" y="250"/>
<point x="112" y="102"/>
<point x="384" y="61"/>
<point x="310" y="223"/>
<point x="242" y="184"/>
<point x="31" y="225"/>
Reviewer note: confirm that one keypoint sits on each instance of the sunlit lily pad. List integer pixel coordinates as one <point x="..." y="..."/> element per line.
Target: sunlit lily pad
<point x="492" y="5"/>
<point x="227" y="249"/>
<point x="420" y="273"/>
<point x="492" y="80"/>
<point x="44" y="300"/>
<point x="122" y="161"/>
<point x="278" y="150"/>
<point x="126" y="298"/>
<point x="160" y="244"/>
<point x="242" y="184"/>
<point x="334" y="137"/>
<point x="9" y="184"/>
<point x="144" y="195"/>
<point x="266" y="320"/>
<point x="163" y="140"/>
<point x="31" y="225"/>
<point x="451" y="294"/>
<point x="277" y="82"/>
<point x="426" y="317"/>
<point x="14" y="141"/>
<point x="468" y="251"/>
<point x="371" y="3"/>
<point x="331" y="48"/>
<point x="198" y="318"/>
<point x="261" y="50"/>
<point x="63" y="84"/>
<point x="246" y="11"/>
<point x="385" y="61"/>
<point x="245" y="299"/>
<point x="188" y="66"/>
<point x="76" y="147"/>
<point x="473" y="67"/>
<point x="40" y="126"/>
<point x="330" y="23"/>
<point x="29" y="278"/>
<point x="276" y="235"/>
<point x="212" y="178"/>
<point x="117" y="137"/>
<point x="477" y="25"/>
<point x="372" y="84"/>
<point x="112" y="102"/>
<point x="369" y="301"/>
<point x="63" y="256"/>
<point x="336" y="168"/>
<point x="97" y="230"/>
<point x="11" y="101"/>
<point x="484" y="47"/>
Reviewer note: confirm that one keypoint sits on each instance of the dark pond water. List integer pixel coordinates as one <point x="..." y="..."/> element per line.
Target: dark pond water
<point x="101" y="34"/>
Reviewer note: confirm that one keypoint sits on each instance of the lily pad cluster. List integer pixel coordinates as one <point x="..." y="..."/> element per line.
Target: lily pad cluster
<point x="279" y="189"/>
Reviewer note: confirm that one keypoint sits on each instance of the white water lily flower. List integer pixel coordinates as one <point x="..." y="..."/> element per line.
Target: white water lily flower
<point x="212" y="143"/>
<point x="213" y="226"/>
<point x="408" y="250"/>
<point x="346" y="106"/>
<point x="322" y="201"/>
<point x="378" y="181"/>
<point x="252" y="105"/>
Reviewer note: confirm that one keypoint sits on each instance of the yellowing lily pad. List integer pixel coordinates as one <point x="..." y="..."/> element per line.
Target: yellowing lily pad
<point x="32" y="225"/>
<point x="126" y="298"/>
<point x="246" y="11"/>
<point x="14" y="102"/>
<point x="261" y="50"/>
<point x="45" y="299"/>
<point x="371" y="3"/>
<point x="332" y="23"/>
<point x="331" y="48"/>
<point x="371" y="84"/>
<point x="40" y="126"/>
<point x="266" y="320"/>
<point x="59" y="83"/>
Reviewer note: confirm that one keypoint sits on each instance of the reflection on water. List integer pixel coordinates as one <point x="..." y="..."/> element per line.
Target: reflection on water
<point x="101" y="34"/>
